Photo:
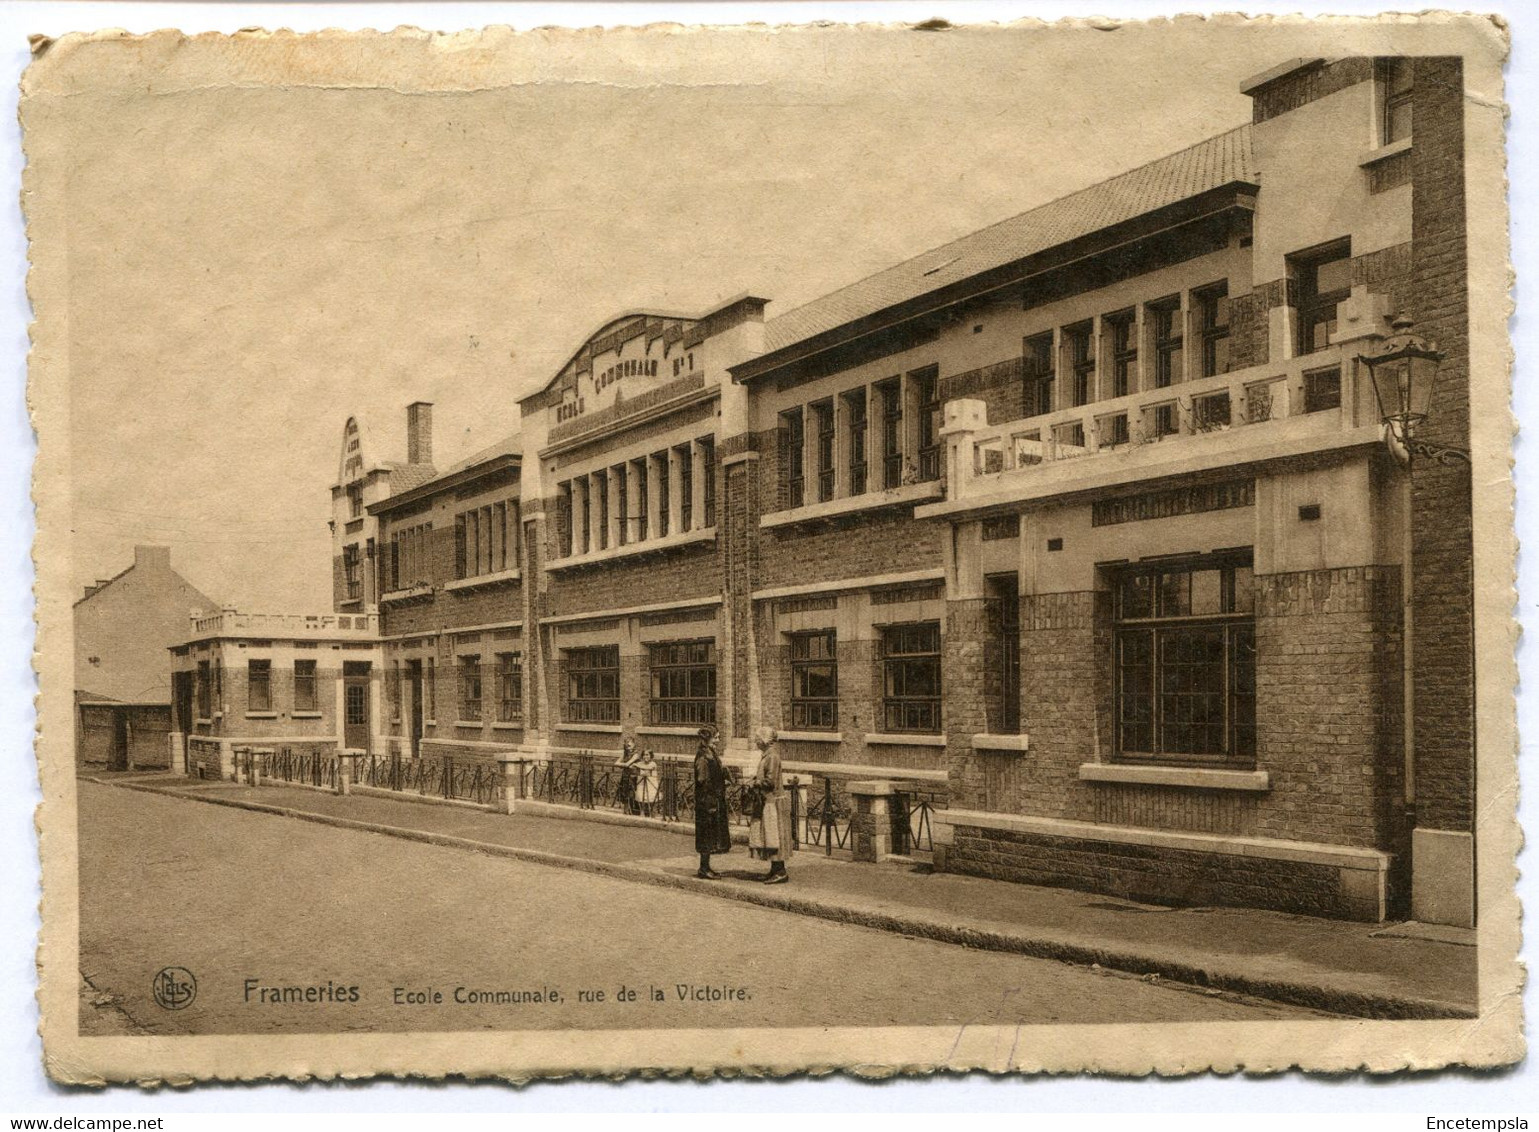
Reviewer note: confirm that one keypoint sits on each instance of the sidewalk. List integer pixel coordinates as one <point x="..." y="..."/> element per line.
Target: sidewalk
<point x="1344" y="968"/>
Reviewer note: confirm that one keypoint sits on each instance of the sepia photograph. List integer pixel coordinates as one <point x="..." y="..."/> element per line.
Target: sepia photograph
<point x="767" y="549"/>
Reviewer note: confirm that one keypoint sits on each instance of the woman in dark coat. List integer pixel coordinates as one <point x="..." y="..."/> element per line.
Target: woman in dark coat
<point x="711" y="832"/>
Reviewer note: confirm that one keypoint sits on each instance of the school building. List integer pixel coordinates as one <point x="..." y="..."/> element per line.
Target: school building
<point x="1084" y="524"/>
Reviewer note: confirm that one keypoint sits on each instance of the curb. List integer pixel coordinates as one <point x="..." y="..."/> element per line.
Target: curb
<point x="1358" y="1004"/>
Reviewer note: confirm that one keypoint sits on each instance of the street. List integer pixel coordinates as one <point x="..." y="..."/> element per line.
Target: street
<point x="289" y="926"/>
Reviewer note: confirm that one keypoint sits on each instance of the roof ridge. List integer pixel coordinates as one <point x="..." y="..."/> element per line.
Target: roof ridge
<point x="1243" y="127"/>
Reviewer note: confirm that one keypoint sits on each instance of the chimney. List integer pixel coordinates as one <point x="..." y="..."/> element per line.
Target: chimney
<point x="419" y="432"/>
<point x="153" y="557"/>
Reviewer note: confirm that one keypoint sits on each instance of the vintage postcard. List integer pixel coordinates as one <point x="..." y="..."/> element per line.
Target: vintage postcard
<point x="771" y="550"/>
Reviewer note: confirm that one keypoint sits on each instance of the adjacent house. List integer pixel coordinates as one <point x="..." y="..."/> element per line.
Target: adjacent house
<point x="123" y="626"/>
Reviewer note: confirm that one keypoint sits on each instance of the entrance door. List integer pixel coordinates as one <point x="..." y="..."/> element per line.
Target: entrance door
<point x="181" y="701"/>
<point x="414" y="705"/>
<point x="355" y="705"/>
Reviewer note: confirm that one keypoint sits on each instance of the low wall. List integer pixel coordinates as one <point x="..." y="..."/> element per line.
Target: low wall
<point x="1156" y="867"/>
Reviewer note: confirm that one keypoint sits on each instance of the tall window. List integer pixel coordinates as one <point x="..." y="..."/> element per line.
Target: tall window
<point x="567" y="539"/>
<point x="1038" y="371"/>
<point x="855" y="406"/>
<point x="891" y="394"/>
<point x="1005" y="602"/>
<point x="662" y="494"/>
<point x="1124" y="352"/>
<point x="205" y="691"/>
<point x="603" y="511"/>
<point x="259" y="686"/>
<point x="708" y="470"/>
<point x="1395" y="84"/>
<point x="305" y="698"/>
<point x="1081" y="351"/>
<point x="639" y="469"/>
<point x="430" y="682"/>
<point x="1185" y="661"/>
<point x="622" y="501"/>
<point x="911" y="677"/>
<point x="683" y="679"/>
<point x="485" y="541"/>
<point x="1213" y="324"/>
<point x="686" y="486"/>
<point x="355" y="502"/>
<point x="352" y="573"/>
<point x="470" y="688"/>
<point x="823" y="419"/>
<point x="814" y="681"/>
<point x="1324" y="279"/>
<point x="510" y="687"/>
<point x="593" y="685"/>
<point x="1169" y="339"/>
<point x="927" y="394"/>
<point x="793" y="454"/>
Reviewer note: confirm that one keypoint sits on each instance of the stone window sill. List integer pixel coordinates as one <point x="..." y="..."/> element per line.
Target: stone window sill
<point x="1194" y="777"/>
<point x="305" y="715"/>
<point x="407" y="592"/>
<point x="663" y="729"/>
<point x="892" y="496"/>
<point x="475" y="723"/>
<point x="601" y="728"/>
<point x="903" y="739"/>
<point x="631" y="549"/>
<point x="811" y="736"/>
<point x="261" y="715"/>
<point x="1385" y="152"/>
<point x="1013" y="743"/>
<point x="508" y="726"/>
<point x="484" y="580"/>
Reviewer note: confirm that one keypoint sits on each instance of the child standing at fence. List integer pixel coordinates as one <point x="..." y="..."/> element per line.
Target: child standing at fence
<point x="625" y="792"/>
<point x="646" y="782"/>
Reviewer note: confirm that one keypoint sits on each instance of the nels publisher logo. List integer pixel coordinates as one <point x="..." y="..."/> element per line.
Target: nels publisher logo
<point x="174" y="988"/>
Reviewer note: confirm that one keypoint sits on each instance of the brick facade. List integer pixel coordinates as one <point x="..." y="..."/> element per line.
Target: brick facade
<point x="1326" y="778"/>
<point x="1443" y="576"/>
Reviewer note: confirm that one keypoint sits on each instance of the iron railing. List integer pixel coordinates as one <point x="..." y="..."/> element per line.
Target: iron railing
<point x="296" y="768"/>
<point x="460" y="780"/>
<point x="909" y="810"/>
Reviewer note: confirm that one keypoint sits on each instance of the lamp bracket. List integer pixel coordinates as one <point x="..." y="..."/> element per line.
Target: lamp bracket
<point x="1449" y="457"/>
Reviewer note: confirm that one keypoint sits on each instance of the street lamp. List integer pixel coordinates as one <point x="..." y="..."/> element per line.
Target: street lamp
<point x="1404" y="370"/>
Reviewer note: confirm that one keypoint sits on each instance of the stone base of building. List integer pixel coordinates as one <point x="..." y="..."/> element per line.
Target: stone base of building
<point x="1443" y="877"/>
<point x="1160" y="867"/>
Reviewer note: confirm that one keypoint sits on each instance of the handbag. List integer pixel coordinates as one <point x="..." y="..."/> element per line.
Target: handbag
<point x="753" y="802"/>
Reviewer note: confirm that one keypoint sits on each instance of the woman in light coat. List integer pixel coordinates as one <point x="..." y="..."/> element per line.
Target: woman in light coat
<point x="769" y="834"/>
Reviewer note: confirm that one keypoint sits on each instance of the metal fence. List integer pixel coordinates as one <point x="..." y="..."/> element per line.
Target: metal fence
<point x="910" y="810"/>
<point x="460" y="780"/>
<point x="592" y="781"/>
<point x="311" y="767"/>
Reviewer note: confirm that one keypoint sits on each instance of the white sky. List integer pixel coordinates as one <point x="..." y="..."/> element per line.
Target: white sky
<point x="293" y="256"/>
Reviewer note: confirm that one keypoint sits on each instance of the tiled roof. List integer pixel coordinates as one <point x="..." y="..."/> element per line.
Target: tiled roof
<point x="404" y="477"/>
<point x="1207" y="165"/>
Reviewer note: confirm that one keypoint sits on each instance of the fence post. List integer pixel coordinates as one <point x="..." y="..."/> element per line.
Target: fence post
<point x="871" y="840"/>
<point x="512" y="783"/>
<point x="794" y="787"/>
<point x="344" y="774"/>
<point x="448" y="777"/>
<point x="828" y="816"/>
